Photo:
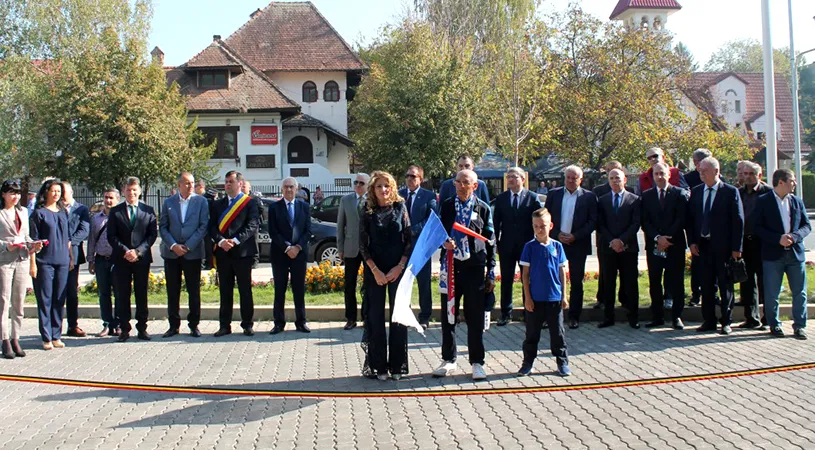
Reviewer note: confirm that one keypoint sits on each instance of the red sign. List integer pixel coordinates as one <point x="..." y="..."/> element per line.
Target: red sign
<point x="264" y="135"/>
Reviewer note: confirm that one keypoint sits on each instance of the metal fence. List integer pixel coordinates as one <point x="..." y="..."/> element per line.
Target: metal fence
<point x="154" y="196"/>
<point x="327" y="190"/>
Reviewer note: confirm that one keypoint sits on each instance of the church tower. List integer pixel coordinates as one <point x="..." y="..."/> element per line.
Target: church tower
<point x="647" y="14"/>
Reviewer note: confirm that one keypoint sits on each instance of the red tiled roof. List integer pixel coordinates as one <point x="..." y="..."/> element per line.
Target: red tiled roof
<point x="624" y="5"/>
<point x="293" y="36"/>
<point x="701" y="83"/>
<point x="249" y="91"/>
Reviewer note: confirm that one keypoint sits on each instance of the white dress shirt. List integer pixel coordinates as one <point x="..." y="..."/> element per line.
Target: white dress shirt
<point x="184" y="204"/>
<point x="567" y="210"/>
<point x="784" y="209"/>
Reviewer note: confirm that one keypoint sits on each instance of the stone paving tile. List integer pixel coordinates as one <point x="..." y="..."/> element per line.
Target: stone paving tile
<point x="747" y="412"/>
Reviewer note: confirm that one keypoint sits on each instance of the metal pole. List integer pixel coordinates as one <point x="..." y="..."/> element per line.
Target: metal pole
<point x="769" y="90"/>
<point x="799" y="189"/>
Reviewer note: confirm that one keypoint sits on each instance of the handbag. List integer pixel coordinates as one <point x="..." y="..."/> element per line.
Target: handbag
<point x="736" y="270"/>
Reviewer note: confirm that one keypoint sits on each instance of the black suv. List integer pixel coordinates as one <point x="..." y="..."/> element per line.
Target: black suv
<point x="322" y="245"/>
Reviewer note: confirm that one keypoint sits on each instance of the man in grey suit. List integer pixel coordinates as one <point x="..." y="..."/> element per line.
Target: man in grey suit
<point x="348" y="245"/>
<point x="182" y="226"/>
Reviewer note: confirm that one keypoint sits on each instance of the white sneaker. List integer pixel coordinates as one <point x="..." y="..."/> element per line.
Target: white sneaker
<point x="382" y="377"/>
<point x="446" y="368"/>
<point x="478" y="372"/>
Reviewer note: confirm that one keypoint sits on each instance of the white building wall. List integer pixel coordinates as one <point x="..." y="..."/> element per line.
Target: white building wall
<point x="330" y="162"/>
<point x="332" y="113"/>
<point x="760" y="126"/>
<point x="726" y="93"/>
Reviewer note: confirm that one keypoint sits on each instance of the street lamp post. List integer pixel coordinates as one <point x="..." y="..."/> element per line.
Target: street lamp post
<point x="769" y="89"/>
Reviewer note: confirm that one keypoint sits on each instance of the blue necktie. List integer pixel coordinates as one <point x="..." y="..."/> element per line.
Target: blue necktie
<point x="616" y="202"/>
<point x="291" y="213"/>
<point x="706" y="214"/>
<point x="409" y="202"/>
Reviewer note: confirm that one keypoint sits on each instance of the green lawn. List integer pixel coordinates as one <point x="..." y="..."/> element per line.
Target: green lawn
<point x="265" y="295"/>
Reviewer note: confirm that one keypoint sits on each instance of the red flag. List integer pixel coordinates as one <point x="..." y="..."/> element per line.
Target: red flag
<point x="459" y="227"/>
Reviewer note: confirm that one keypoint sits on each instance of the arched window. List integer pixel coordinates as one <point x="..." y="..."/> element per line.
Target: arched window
<point x="309" y="92"/>
<point x="300" y="151"/>
<point x="331" y="92"/>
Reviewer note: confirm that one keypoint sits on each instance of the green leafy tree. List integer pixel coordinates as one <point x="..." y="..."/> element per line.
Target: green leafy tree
<point x="746" y="55"/>
<point x="416" y="105"/>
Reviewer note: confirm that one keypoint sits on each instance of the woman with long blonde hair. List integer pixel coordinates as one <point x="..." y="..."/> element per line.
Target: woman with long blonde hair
<point x="385" y="244"/>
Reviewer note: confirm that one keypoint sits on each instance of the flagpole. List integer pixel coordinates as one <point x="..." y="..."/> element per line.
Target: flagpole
<point x="769" y="90"/>
<point x="799" y="188"/>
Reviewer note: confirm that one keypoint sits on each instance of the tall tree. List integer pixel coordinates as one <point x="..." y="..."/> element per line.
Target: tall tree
<point x="684" y="52"/>
<point x="88" y="105"/>
<point x="416" y="104"/>
<point x="621" y="94"/>
<point x="746" y="55"/>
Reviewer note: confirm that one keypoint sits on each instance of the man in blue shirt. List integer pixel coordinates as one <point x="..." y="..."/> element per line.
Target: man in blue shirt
<point x="543" y="263"/>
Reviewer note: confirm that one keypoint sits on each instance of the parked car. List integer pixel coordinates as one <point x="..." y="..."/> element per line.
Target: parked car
<point x="327" y="209"/>
<point x="322" y="244"/>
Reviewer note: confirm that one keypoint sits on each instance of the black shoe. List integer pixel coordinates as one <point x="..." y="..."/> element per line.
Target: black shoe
<point x="597" y="305"/>
<point x="525" y="370"/>
<point x="656" y="323"/>
<point x="693" y="303"/>
<point x="800" y="334"/>
<point x="223" y="332"/>
<point x="574" y="324"/>
<point x="123" y="336"/>
<point x="606" y="324"/>
<point x="194" y="332"/>
<point x="277" y="329"/>
<point x="303" y="328"/>
<point x="777" y="332"/>
<point x="15" y="347"/>
<point x="678" y="325"/>
<point x="544" y="325"/>
<point x="7" y="352"/>
<point x="749" y="324"/>
<point x="425" y="324"/>
<point x="350" y="325"/>
<point x="634" y="325"/>
<point x="706" y="328"/>
<point x="143" y="336"/>
<point x="170" y="333"/>
<point x="248" y="331"/>
<point x="503" y="321"/>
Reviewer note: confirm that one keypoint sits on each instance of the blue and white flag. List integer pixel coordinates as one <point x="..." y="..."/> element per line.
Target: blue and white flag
<point x="430" y="239"/>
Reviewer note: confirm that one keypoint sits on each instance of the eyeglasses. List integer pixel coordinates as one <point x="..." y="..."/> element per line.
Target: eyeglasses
<point x="653" y="157"/>
<point x="359" y="183"/>
<point x="410" y="175"/>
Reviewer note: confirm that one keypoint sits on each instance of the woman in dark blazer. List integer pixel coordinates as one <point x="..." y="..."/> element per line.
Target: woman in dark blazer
<point x="385" y="243"/>
<point x="50" y="222"/>
<point x="15" y="265"/>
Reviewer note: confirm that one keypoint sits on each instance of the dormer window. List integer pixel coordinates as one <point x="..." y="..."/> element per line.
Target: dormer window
<point x="331" y="92"/>
<point x="213" y="79"/>
<point x="309" y="92"/>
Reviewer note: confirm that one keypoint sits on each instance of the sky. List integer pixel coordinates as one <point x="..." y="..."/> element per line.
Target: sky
<point x="182" y="28"/>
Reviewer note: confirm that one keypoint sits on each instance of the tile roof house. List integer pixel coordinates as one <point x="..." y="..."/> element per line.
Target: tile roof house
<point x="273" y="95"/>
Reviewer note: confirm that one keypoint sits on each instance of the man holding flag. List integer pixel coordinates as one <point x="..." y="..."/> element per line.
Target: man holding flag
<point x="469" y="256"/>
<point x="233" y="225"/>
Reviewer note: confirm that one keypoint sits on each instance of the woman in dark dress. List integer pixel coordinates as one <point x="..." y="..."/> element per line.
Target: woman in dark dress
<point x="50" y="222"/>
<point x="385" y="245"/>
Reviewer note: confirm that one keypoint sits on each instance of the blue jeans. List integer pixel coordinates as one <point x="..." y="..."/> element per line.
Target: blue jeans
<point x="797" y="277"/>
<point x="104" y="282"/>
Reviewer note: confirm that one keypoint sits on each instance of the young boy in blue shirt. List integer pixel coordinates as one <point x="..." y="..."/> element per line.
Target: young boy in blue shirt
<point x="543" y="264"/>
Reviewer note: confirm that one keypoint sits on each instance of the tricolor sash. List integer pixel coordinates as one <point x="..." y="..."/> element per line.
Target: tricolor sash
<point x="232" y="211"/>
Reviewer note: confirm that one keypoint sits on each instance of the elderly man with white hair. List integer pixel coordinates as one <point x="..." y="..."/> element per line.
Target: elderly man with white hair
<point x="715" y="232"/>
<point x="574" y="218"/>
<point x="752" y="290"/>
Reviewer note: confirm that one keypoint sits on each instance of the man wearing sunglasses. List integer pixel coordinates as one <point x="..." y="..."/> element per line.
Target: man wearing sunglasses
<point x="420" y="202"/>
<point x="351" y="206"/>
<point x="655" y="155"/>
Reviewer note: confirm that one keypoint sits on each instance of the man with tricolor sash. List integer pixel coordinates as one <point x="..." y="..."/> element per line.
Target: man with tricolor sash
<point x="469" y="272"/>
<point x="233" y="225"/>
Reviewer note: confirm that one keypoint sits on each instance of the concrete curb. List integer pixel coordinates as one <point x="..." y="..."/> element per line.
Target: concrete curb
<point x="336" y="313"/>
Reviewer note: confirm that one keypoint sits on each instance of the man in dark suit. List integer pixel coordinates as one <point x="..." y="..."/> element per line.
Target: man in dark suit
<point x="79" y="226"/>
<point x="574" y="218"/>
<point x="663" y="221"/>
<point x="233" y="225"/>
<point x="183" y="225"/>
<point x="599" y="191"/>
<point x="752" y="290"/>
<point x="132" y="231"/>
<point x="420" y="202"/>
<point x="448" y="189"/>
<point x="201" y="189"/>
<point x="781" y="221"/>
<point x="618" y="216"/>
<point x="513" y="229"/>
<point x="290" y="230"/>
<point x="693" y="179"/>
<point x="715" y="232"/>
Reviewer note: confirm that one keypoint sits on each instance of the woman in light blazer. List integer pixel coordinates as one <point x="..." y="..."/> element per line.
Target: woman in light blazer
<point x="15" y="265"/>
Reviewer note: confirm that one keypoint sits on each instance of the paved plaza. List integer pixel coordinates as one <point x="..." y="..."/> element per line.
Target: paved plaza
<point x="750" y="411"/>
